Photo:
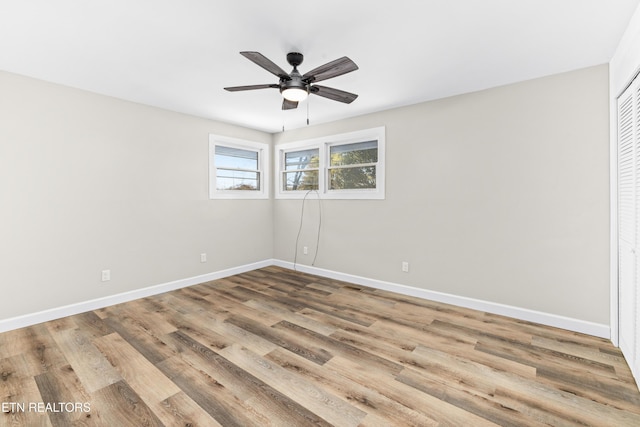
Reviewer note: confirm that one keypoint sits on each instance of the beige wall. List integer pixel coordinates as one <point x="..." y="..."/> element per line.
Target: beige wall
<point x="500" y="195"/>
<point x="89" y="182"/>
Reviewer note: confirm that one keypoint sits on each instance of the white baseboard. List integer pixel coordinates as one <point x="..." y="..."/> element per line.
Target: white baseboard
<point x="575" y="325"/>
<point x="81" y="307"/>
<point x="595" y="329"/>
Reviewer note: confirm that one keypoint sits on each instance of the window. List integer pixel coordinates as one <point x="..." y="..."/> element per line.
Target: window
<point x="237" y="169"/>
<point x="301" y="170"/>
<point x="353" y="166"/>
<point x="345" y="166"/>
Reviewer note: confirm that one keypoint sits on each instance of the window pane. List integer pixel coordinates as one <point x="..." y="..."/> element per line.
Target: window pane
<point x="304" y="159"/>
<point x="353" y="154"/>
<point x="352" y="178"/>
<point x="301" y="180"/>
<point x="230" y="179"/>
<point x="228" y="157"/>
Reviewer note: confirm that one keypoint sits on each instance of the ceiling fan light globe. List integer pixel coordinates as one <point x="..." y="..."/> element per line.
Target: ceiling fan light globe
<point x="295" y="94"/>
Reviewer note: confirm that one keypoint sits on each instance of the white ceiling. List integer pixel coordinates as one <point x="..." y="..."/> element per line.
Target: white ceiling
<point x="179" y="54"/>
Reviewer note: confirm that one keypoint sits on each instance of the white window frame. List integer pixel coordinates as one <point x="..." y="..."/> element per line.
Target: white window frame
<point x="324" y="144"/>
<point x="263" y="168"/>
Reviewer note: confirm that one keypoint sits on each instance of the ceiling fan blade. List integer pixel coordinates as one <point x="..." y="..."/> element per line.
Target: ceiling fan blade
<point x="266" y="63"/>
<point x="335" y="94"/>
<point x="331" y="69"/>
<point x="250" y="87"/>
<point x="289" y="105"/>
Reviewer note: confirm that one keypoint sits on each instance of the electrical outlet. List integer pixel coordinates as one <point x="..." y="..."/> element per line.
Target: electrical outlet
<point x="203" y="257"/>
<point x="106" y="275"/>
<point x="305" y="250"/>
<point x="405" y="266"/>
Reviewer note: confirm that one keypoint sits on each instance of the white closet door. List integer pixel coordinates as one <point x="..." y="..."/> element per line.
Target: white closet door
<point x="629" y="224"/>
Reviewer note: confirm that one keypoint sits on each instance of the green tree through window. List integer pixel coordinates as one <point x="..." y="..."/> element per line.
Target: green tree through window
<point x="353" y="166"/>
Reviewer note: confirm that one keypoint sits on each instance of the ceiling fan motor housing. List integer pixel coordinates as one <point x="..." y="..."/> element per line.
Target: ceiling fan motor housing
<point x="294" y="58"/>
<point x="294" y="83"/>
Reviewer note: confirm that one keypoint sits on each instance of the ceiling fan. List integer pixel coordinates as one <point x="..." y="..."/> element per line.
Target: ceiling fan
<point x="295" y="87"/>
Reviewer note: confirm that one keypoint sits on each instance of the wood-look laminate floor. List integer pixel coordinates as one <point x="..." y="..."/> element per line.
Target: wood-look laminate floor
<point x="281" y="348"/>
